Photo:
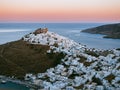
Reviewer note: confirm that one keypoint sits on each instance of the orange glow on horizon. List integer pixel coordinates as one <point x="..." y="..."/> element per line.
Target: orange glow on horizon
<point x="60" y="11"/>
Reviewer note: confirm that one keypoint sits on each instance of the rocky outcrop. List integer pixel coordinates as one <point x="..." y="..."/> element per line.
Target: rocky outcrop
<point x="41" y="30"/>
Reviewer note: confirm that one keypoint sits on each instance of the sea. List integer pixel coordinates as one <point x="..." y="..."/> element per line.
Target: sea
<point x="15" y="31"/>
<point x="12" y="86"/>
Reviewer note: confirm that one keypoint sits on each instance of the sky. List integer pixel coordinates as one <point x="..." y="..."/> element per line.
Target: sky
<point x="59" y="10"/>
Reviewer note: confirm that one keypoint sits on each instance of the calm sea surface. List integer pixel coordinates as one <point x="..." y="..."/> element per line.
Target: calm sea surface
<point x="12" y="86"/>
<point x="14" y="31"/>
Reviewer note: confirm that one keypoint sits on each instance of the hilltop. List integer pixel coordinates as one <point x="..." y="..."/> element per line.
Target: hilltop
<point x="110" y="30"/>
<point x="54" y="62"/>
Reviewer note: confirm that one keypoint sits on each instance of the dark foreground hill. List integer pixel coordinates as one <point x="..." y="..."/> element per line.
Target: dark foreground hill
<point x="18" y="58"/>
<point x="110" y="30"/>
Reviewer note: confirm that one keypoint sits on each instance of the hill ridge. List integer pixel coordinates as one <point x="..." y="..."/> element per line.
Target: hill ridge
<point x="110" y="30"/>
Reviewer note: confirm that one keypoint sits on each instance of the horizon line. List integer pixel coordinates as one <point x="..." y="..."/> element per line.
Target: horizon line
<point x="60" y="22"/>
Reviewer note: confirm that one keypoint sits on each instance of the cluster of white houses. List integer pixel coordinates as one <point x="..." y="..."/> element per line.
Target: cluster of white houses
<point x="78" y="70"/>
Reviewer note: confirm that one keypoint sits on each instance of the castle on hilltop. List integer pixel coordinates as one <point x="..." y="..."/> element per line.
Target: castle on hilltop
<point x="41" y="30"/>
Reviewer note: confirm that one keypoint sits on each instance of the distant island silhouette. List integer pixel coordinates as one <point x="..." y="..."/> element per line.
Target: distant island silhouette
<point x="109" y="30"/>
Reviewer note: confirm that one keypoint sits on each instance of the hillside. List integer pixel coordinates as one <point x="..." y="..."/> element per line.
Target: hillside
<point x="18" y="58"/>
<point x="54" y="62"/>
<point x="110" y="30"/>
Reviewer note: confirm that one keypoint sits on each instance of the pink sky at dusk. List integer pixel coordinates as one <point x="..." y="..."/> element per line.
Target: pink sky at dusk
<point x="59" y="10"/>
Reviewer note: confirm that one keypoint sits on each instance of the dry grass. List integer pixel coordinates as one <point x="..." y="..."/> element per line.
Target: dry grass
<point x="83" y="60"/>
<point x="110" y="78"/>
<point x="19" y="58"/>
<point x="79" y="87"/>
<point x="92" y="53"/>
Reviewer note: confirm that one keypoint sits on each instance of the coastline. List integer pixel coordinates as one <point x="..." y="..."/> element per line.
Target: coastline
<point x="16" y="81"/>
<point x="109" y="30"/>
